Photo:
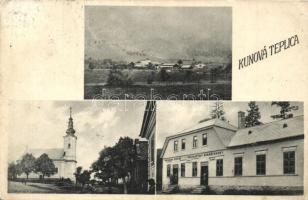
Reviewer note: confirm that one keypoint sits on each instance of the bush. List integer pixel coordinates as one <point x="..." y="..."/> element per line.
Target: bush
<point x="150" y="78"/>
<point x="117" y="78"/>
<point x="163" y="75"/>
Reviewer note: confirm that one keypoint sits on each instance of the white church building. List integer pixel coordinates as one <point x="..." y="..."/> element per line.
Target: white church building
<point x="63" y="158"/>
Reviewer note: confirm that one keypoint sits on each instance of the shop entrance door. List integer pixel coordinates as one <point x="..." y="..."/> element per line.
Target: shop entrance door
<point x="204" y="175"/>
<point x="175" y="174"/>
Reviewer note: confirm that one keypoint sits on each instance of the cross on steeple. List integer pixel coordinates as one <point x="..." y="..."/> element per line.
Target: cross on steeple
<point x="70" y="112"/>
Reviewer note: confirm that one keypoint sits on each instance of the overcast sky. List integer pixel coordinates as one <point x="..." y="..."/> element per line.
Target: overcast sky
<point x="42" y="124"/>
<point x="125" y="32"/>
<point x="173" y="117"/>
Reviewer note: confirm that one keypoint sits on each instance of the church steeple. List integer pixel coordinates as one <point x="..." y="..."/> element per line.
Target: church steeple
<point x="70" y="129"/>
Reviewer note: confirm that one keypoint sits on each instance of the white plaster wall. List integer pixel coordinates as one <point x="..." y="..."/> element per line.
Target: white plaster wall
<point x="274" y="167"/>
<point x="213" y="143"/>
<point x="69" y="171"/>
<point x="70" y="153"/>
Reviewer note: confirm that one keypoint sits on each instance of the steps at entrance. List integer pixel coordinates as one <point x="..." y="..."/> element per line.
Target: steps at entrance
<point x="171" y="189"/>
<point x="199" y="190"/>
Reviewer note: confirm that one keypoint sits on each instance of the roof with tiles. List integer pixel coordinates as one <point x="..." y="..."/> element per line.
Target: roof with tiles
<point x="267" y="132"/>
<point x="54" y="154"/>
<point x="208" y="123"/>
<point x="234" y="137"/>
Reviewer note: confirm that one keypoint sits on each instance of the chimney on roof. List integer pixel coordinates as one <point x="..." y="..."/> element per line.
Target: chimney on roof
<point x="241" y="119"/>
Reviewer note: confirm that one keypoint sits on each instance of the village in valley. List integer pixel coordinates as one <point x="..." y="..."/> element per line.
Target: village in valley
<point x="157" y="52"/>
<point x="164" y="77"/>
<point x="149" y="64"/>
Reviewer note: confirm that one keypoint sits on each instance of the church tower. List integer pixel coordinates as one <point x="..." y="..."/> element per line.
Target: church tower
<point x="69" y="154"/>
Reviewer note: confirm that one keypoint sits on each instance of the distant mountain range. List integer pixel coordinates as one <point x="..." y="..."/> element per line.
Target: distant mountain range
<point x="160" y="34"/>
<point x="101" y="49"/>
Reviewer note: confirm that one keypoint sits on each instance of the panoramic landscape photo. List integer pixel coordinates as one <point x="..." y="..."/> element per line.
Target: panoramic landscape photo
<point x="158" y="53"/>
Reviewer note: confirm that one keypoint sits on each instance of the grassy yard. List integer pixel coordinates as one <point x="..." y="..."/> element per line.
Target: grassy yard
<point x="19" y="187"/>
<point x="31" y="187"/>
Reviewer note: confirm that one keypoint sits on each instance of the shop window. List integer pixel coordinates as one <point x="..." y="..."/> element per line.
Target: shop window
<point x="183" y="169"/>
<point x="289" y="162"/>
<point x="194" y="169"/>
<point x="168" y="170"/>
<point x="238" y="166"/>
<point x="219" y="167"/>
<point x="261" y="164"/>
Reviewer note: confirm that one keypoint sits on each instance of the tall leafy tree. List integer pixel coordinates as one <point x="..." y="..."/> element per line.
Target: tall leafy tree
<point x="14" y="170"/>
<point x="285" y="109"/>
<point x="45" y="165"/>
<point x="27" y="164"/>
<point x="116" y="162"/>
<point x="77" y="174"/>
<point x="124" y="162"/>
<point x="104" y="167"/>
<point x="218" y="111"/>
<point x="82" y="177"/>
<point x="252" y="119"/>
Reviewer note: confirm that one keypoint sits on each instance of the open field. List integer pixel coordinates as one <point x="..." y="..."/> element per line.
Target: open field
<point x="137" y="75"/>
<point x="157" y="92"/>
<point x="176" y="87"/>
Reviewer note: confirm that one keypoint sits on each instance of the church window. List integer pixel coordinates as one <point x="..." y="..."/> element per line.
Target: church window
<point x="56" y="170"/>
<point x="64" y="153"/>
<point x="69" y="146"/>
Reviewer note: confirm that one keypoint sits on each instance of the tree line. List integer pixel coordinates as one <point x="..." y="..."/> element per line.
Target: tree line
<point x="253" y="114"/>
<point x="28" y="164"/>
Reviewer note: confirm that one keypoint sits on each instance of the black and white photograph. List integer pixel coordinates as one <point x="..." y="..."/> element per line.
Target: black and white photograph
<point x="230" y="148"/>
<point x="153" y="99"/>
<point x="82" y="147"/>
<point x="158" y="53"/>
